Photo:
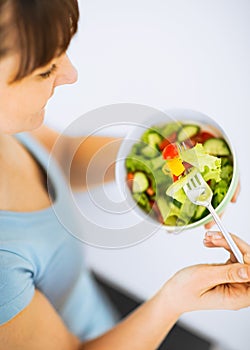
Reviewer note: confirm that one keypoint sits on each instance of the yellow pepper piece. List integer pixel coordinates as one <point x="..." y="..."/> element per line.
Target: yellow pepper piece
<point x="175" y="166"/>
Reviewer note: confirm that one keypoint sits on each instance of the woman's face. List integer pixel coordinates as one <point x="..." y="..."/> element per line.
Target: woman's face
<point x="22" y="104"/>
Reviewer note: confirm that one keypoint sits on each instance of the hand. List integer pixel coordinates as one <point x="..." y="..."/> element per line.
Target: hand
<point x="233" y="200"/>
<point x="216" y="240"/>
<point x="204" y="287"/>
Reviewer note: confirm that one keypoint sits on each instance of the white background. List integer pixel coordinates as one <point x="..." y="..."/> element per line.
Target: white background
<point x="167" y="53"/>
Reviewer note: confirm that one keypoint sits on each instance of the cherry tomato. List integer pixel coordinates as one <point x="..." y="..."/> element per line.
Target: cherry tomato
<point x="175" y="178"/>
<point x="170" y="151"/>
<point x="170" y="139"/>
<point x="202" y="136"/>
<point x="189" y="143"/>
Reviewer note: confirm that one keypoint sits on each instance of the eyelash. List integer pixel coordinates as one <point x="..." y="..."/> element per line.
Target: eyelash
<point x="47" y="74"/>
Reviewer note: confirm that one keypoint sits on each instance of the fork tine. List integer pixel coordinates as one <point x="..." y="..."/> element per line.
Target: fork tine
<point x="194" y="182"/>
<point x="199" y="176"/>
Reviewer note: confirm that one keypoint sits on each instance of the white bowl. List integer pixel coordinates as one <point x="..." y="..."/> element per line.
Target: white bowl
<point x="137" y="129"/>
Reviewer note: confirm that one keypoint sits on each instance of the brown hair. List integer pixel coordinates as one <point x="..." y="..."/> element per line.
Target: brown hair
<point x="38" y="30"/>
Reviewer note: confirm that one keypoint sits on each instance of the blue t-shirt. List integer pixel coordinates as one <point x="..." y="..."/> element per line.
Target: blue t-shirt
<point x="37" y="252"/>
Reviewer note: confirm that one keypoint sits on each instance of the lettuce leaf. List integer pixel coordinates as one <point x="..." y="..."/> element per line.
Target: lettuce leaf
<point x="209" y="167"/>
<point x="200" y="159"/>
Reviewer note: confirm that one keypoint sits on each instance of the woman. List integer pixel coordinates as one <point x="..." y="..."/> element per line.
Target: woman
<point x="47" y="297"/>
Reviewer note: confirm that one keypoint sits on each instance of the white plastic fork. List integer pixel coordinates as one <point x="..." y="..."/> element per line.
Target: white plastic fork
<point x="199" y="193"/>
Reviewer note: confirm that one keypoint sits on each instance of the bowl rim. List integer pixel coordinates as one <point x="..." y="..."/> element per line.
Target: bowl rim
<point x="179" y="115"/>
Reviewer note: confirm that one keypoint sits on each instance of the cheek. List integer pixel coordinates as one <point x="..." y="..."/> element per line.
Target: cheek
<point x="21" y="107"/>
<point x="34" y="98"/>
<point x="38" y="96"/>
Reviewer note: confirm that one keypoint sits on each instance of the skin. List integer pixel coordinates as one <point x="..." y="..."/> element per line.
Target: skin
<point x="27" y="113"/>
<point x="38" y="326"/>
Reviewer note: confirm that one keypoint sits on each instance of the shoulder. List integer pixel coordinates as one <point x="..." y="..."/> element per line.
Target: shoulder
<point x="46" y="136"/>
<point x="17" y="284"/>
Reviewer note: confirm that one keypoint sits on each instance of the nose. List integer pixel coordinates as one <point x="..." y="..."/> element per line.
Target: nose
<point x="67" y="74"/>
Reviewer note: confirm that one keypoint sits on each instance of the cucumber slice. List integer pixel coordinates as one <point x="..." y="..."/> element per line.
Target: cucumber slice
<point x="157" y="162"/>
<point x="154" y="139"/>
<point x="140" y="182"/>
<point x="216" y="147"/>
<point x="171" y="220"/>
<point x="187" y="131"/>
<point x="164" y="207"/>
<point x="200" y="213"/>
<point x="166" y="130"/>
<point x="187" y="211"/>
<point x="150" y="152"/>
<point x="143" y="201"/>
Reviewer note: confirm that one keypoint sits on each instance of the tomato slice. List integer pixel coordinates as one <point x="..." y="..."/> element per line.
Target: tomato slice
<point x="175" y="178"/>
<point x="189" y="143"/>
<point x="170" y="151"/>
<point x="170" y="139"/>
<point x="202" y="136"/>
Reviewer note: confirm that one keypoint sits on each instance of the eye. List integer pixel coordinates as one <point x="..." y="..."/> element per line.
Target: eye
<point x="47" y="74"/>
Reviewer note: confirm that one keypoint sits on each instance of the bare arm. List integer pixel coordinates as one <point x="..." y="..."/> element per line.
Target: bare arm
<point x="87" y="161"/>
<point x="39" y="327"/>
<point x="144" y="329"/>
<point x="199" y="287"/>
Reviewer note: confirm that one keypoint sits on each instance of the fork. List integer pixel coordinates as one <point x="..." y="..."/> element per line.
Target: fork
<point x="199" y="193"/>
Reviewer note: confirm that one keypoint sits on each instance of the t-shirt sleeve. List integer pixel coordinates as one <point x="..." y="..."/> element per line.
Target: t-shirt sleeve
<point x="16" y="284"/>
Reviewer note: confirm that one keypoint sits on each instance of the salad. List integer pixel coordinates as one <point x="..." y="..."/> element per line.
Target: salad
<point x="159" y="165"/>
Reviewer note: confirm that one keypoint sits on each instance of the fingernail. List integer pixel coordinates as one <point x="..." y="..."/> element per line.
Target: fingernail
<point x="243" y="273"/>
<point x="214" y="234"/>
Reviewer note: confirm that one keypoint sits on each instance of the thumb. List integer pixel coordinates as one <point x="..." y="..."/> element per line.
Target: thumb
<point x="231" y="273"/>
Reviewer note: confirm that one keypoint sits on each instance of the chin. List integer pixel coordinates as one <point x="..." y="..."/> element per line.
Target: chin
<point x="30" y="124"/>
<point x="36" y="121"/>
<point x="40" y="118"/>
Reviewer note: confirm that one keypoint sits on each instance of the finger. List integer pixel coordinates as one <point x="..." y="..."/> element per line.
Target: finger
<point x="210" y="244"/>
<point x="231" y="259"/>
<point x="212" y="275"/>
<point x="236" y="193"/>
<point x="216" y="239"/>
